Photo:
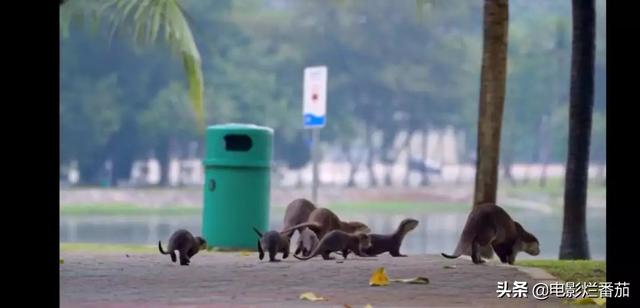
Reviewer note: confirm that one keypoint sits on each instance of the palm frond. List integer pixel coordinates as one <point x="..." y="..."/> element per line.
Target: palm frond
<point x="144" y="19"/>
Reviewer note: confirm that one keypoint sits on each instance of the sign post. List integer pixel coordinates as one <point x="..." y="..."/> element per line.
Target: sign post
<point x="314" y="114"/>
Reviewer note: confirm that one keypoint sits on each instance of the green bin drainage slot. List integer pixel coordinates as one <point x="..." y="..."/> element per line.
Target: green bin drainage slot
<point x="240" y="143"/>
<point x="212" y="185"/>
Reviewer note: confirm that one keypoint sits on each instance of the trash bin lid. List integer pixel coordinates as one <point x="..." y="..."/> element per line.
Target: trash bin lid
<point x="238" y="145"/>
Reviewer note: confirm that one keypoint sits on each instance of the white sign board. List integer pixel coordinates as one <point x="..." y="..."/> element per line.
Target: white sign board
<point x="314" y="110"/>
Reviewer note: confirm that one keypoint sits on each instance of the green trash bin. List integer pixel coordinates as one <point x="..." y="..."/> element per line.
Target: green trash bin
<point x="237" y="184"/>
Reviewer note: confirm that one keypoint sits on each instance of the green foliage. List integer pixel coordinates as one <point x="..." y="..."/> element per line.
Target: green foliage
<point x="144" y="20"/>
<point x="388" y="71"/>
<point x="167" y="115"/>
<point x="89" y="116"/>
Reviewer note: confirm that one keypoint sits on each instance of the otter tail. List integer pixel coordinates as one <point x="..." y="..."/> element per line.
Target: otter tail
<point x="161" y="250"/>
<point x="305" y="258"/>
<point x="316" y="250"/>
<point x="315" y="227"/>
<point x="449" y="256"/>
<point x="257" y="232"/>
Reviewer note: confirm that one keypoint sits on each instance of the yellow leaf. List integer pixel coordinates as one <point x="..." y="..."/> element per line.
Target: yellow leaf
<point x="416" y="280"/>
<point x="588" y="301"/>
<point x="310" y="296"/>
<point x="368" y="306"/>
<point x="449" y="266"/>
<point x="600" y="301"/>
<point x="379" y="278"/>
<point x="245" y="253"/>
<point x="61" y="261"/>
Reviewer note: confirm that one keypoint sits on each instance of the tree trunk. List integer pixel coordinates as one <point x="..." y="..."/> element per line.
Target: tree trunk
<point x="424" y="179"/>
<point x="354" y="165"/>
<point x="373" y="181"/>
<point x="507" y="164"/>
<point x="299" y="183"/>
<point x="574" y="243"/>
<point x="545" y="144"/>
<point x="393" y="157"/>
<point x="492" y="93"/>
<point x="164" y="158"/>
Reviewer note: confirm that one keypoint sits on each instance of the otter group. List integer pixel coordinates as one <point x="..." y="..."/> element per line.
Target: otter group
<point x="489" y="229"/>
<point x="322" y="232"/>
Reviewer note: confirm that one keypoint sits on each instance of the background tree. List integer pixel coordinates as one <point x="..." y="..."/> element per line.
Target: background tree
<point x="492" y="93"/>
<point x="574" y="243"/>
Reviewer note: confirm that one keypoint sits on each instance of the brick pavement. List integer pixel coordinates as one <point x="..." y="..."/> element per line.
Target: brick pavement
<point x="217" y="279"/>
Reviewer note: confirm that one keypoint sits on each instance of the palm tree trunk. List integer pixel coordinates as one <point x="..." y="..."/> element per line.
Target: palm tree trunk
<point x="492" y="93"/>
<point x="574" y="243"/>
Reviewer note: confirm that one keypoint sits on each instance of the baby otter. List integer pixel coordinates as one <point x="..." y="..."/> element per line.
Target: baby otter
<point x="307" y="241"/>
<point x="273" y="242"/>
<point x="185" y="243"/>
<point x="391" y="242"/>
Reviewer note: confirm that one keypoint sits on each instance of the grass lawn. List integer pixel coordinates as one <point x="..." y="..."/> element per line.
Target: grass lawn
<point x="554" y="189"/>
<point x="107" y="248"/>
<point x="125" y="209"/>
<point x="571" y="270"/>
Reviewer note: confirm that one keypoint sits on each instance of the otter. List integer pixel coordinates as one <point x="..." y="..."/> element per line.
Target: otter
<point x="391" y="242"/>
<point x="338" y="240"/>
<point x="273" y="242"/>
<point x="298" y="212"/>
<point x="307" y="241"/>
<point x="489" y="226"/>
<point x="186" y="244"/>
<point x="322" y="220"/>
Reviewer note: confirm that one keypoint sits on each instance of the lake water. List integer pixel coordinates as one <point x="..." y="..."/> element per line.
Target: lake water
<point x="437" y="232"/>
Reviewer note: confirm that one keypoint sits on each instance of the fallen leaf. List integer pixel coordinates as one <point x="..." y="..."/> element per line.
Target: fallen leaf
<point x="127" y="256"/>
<point x="61" y="261"/>
<point x="368" y="306"/>
<point x="587" y="301"/>
<point x="600" y="301"/>
<point x="379" y="278"/>
<point x="245" y="253"/>
<point x="346" y="306"/>
<point x="416" y="280"/>
<point x="310" y="296"/>
<point x="449" y="266"/>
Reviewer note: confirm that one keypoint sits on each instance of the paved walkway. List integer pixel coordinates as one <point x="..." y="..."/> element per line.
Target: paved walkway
<point x="216" y="279"/>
